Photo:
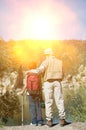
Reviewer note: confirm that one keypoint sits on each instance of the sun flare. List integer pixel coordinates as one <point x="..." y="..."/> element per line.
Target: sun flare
<point x="41" y="29"/>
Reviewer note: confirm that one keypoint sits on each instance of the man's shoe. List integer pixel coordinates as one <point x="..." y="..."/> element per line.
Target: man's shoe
<point x="63" y="122"/>
<point x="49" y="123"/>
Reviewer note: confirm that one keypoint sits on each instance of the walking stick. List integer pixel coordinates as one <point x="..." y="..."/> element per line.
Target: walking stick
<point x="22" y="117"/>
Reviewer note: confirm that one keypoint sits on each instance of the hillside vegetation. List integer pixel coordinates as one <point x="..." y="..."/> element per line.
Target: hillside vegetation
<point x="16" y="53"/>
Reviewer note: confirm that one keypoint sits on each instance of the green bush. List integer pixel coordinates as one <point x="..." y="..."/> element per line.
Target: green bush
<point x="9" y="106"/>
<point x="75" y="103"/>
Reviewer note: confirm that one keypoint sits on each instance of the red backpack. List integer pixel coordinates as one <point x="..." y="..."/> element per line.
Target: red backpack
<point x="33" y="83"/>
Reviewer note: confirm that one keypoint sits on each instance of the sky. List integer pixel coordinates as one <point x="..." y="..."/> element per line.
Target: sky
<point x="42" y="19"/>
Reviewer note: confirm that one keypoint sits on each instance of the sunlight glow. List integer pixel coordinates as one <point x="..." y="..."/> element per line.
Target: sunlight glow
<point x="30" y="50"/>
<point x="33" y="50"/>
<point x="20" y="53"/>
<point x="41" y="28"/>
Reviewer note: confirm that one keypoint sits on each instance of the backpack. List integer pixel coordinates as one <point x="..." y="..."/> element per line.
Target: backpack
<point x="33" y="84"/>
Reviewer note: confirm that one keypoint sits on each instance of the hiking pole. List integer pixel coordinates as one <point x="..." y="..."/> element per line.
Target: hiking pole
<point x="22" y="119"/>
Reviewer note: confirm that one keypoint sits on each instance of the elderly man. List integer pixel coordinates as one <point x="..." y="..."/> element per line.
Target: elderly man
<point x="53" y="75"/>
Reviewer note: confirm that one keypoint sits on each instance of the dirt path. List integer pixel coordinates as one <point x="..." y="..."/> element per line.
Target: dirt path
<point x="72" y="126"/>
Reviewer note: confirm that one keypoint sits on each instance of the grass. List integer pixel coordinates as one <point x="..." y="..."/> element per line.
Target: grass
<point x="75" y="106"/>
<point x="75" y="103"/>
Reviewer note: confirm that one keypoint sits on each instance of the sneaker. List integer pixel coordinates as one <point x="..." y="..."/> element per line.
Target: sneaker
<point x="63" y="122"/>
<point x="40" y="124"/>
<point x="33" y="124"/>
<point x="49" y="123"/>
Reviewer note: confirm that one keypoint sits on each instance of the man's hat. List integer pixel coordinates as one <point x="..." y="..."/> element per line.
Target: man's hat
<point x="48" y="51"/>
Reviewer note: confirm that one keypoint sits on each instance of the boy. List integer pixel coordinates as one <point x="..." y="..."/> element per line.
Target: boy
<point x="34" y="100"/>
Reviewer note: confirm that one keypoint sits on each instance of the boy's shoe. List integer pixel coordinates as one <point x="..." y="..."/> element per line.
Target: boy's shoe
<point x="40" y="124"/>
<point x="63" y="122"/>
<point x="49" y="123"/>
<point x="33" y="124"/>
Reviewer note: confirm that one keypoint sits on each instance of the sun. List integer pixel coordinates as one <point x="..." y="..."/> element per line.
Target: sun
<point x="41" y="28"/>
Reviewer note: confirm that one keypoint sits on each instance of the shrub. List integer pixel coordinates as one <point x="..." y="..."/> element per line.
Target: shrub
<point x="76" y="105"/>
<point x="9" y="106"/>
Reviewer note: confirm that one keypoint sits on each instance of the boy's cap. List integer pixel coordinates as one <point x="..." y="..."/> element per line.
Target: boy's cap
<point x="48" y="51"/>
